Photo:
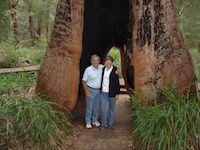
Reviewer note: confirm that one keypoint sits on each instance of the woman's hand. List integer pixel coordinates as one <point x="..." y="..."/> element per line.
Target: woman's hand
<point x="116" y="97"/>
<point x="117" y="72"/>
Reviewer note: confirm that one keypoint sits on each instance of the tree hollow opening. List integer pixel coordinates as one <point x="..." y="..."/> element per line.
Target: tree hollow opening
<point x="106" y="25"/>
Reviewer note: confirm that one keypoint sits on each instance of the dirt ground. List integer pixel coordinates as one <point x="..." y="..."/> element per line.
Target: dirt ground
<point x="119" y="138"/>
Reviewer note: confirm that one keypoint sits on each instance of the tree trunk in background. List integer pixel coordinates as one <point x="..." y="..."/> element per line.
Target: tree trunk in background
<point x="159" y="56"/>
<point x="39" y="29"/>
<point x="47" y="30"/>
<point x="33" y="28"/>
<point x="58" y="76"/>
<point x="13" y="8"/>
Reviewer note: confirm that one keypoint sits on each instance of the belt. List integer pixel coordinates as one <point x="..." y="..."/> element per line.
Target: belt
<point x="93" y="88"/>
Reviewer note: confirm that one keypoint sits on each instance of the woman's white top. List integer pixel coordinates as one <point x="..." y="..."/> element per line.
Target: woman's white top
<point x="106" y="80"/>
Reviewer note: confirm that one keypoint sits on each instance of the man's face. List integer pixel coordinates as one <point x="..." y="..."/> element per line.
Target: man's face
<point x="95" y="61"/>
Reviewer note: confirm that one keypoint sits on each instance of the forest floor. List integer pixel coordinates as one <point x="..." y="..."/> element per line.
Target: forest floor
<point x="119" y="138"/>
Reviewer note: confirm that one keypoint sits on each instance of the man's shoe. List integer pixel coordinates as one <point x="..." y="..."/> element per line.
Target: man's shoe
<point x="97" y="124"/>
<point x="88" y="126"/>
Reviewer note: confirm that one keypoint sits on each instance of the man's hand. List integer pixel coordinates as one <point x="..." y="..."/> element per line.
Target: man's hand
<point x="87" y="94"/>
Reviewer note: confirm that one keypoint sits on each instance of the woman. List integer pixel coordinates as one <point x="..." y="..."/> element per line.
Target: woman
<point x="109" y="94"/>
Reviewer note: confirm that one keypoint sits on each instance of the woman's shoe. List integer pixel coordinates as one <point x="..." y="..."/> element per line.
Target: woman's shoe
<point x="102" y="127"/>
<point x="110" y="126"/>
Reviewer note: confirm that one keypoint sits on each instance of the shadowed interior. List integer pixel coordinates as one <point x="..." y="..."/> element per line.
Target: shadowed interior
<point x="105" y="25"/>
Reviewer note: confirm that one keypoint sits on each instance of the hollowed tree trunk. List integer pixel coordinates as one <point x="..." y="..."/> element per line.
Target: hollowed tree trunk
<point x="152" y="48"/>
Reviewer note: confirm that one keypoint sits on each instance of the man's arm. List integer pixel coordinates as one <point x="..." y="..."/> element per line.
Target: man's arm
<point x="87" y="94"/>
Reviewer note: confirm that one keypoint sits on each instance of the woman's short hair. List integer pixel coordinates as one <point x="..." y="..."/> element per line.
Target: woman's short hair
<point x="109" y="58"/>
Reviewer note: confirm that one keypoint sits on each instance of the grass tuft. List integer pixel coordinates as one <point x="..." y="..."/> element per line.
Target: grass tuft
<point x="172" y="125"/>
<point x="31" y="121"/>
<point x="27" y="121"/>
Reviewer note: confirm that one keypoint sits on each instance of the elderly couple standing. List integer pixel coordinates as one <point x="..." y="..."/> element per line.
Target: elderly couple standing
<point x="101" y="85"/>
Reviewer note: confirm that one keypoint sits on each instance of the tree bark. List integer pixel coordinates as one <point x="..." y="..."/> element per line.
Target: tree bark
<point x="58" y="76"/>
<point x="159" y="55"/>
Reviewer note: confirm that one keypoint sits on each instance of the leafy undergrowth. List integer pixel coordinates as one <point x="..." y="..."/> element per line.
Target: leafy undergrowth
<point x="172" y="125"/>
<point x="26" y="121"/>
<point x="13" y="56"/>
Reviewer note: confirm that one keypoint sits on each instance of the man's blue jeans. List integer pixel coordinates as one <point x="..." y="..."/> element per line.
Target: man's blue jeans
<point x="105" y="99"/>
<point x="92" y="106"/>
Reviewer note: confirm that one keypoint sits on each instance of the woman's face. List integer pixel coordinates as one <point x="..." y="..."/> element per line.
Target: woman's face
<point x="108" y="63"/>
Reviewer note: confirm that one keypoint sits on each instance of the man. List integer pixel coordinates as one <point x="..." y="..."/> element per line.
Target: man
<point x="92" y="83"/>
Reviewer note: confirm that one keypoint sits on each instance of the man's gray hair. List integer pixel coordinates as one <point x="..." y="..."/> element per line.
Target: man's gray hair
<point x="94" y="56"/>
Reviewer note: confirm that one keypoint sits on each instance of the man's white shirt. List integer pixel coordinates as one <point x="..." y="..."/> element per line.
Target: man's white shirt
<point x="93" y="76"/>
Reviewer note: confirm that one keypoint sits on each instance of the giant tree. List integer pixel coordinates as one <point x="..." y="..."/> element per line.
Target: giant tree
<point x="147" y="33"/>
